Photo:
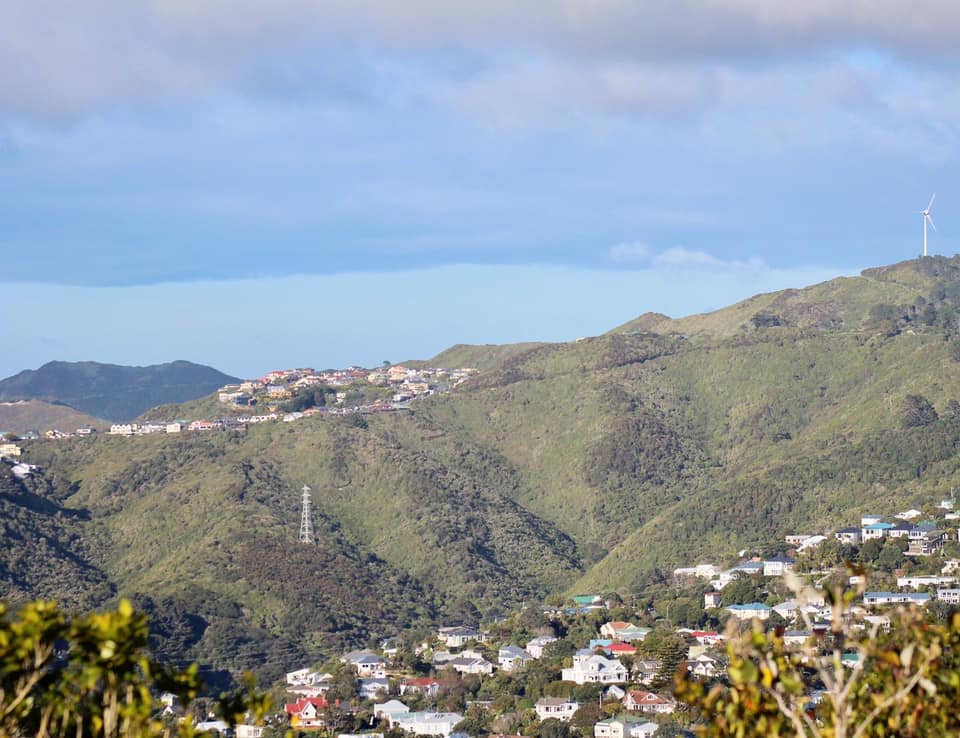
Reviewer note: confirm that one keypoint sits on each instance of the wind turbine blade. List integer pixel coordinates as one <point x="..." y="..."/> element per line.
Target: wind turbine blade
<point x="927" y="216"/>
<point x="932" y="198"/>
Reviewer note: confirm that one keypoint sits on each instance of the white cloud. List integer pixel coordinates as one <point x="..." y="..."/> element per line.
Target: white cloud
<point x="677" y="258"/>
<point x="629" y="253"/>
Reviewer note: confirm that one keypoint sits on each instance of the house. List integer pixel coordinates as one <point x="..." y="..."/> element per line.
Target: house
<point x="874" y="530"/>
<point x="387" y="710"/>
<point x="911" y="514"/>
<point x="558" y="708"/>
<point x="848" y="536"/>
<point x="307" y="712"/>
<point x="427" y="723"/>
<point x="901" y="529"/>
<point x="610" y="630"/>
<point x="366" y="663"/>
<point x="373" y="686"/>
<point x="632" y="634"/>
<point x="711" y="600"/>
<point x="641" y="701"/>
<point x="621" y="649"/>
<point x="950" y="596"/>
<point x="796" y="637"/>
<point x="420" y="685"/>
<point x="535" y="646"/>
<point x="777" y="566"/>
<point x="174" y="427"/>
<point x="624" y="726"/>
<point x="512" y="658"/>
<point x="470" y="665"/>
<point x="866" y="520"/>
<point x="892" y="598"/>
<point x="749" y="611"/>
<point x="644" y="671"/>
<point x="10" y="450"/>
<point x="458" y="636"/>
<point x="704" y="666"/>
<point x="931" y="542"/>
<point x="925" y="580"/>
<point x="124" y="429"/>
<point x="811" y="542"/>
<point x="591" y="668"/>
<point x="248" y="731"/>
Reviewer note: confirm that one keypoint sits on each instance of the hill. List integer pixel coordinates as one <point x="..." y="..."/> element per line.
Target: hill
<point x="594" y="465"/>
<point x="117" y="393"/>
<point x="481" y="356"/>
<point x="25" y="415"/>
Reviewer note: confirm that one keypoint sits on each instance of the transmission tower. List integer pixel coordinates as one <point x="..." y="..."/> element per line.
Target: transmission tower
<point x="306" y="523"/>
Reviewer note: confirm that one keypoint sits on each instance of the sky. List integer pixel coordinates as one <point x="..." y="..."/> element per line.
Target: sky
<point x="264" y="183"/>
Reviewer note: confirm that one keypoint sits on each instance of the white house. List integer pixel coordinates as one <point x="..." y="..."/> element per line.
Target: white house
<point x="892" y="598"/>
<point x="749" y="611"/>
<point x="951" y="596"/>
<point x="471" y="665"/>
<point x="624" y="726"/>
<point x="458" y="636"/>
<point x="925" y="580"/>
<point x="591" y="668"/>
<point x="388" y="710"/>
<point x="558" y="708"/>
<point x="512" y="658"/>
<point x="704" y="666"/>
<point x="535" y="646"/>
<point x="641" y="701"/>
<point x="428" y="723"/>
<point x="366" y="664"/>
<point x="777" y="566"/>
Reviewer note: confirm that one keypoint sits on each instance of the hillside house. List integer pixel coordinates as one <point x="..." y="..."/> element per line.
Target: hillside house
<point x="458" y="636"/>
<point x="950" y="596"/>
<point x="641" y="701"/>
<point x="925" y="580"/>
<point x="711" y="600"/>
<point x="591" y="668"/>
<point x="536" y="645"/>
<point x="705" y="667"/>
<point x="645" y="671"/>
<point x="874" y="530"/>
<point x="420" y="685"/>
<point x="427" y="723"/>
<point x="749" y="611"/>
<point x="931" y="542"/>
<point x="10" y="450"/>
<point x="387" y="710"/>
<point x="558" y="708"/>
<point x="307" y="712"/>
<point x="373" y="687"/>
<point x="777" y="566"/>
<point x="624" y="726"/>
<point x="513" y="658"/>
<point x="471" y="665"/>
<point x="896" y="598"/>
<point x="848" y="536"/>
<point x="366" y="664"/>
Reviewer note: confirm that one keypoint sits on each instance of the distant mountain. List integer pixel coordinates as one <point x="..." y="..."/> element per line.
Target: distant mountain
<point x="23" y="415"/>
<point x="110" y="391"/>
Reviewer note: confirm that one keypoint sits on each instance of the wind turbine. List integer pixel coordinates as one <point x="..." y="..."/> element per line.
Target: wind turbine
<point x="927" y="219"/>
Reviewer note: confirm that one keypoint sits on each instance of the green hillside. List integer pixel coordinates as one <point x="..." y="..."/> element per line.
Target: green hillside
<point x="117" y="393"/>
<point x="25" y="415"/>
<point x="600" y="464"/>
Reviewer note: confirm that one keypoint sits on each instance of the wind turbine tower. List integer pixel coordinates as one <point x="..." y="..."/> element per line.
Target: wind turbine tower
<point x="306" y="523"/>
<point x="927" y="219"/>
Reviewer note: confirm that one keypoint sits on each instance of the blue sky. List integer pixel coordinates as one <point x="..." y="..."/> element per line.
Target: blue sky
<point x="260" y="183"/>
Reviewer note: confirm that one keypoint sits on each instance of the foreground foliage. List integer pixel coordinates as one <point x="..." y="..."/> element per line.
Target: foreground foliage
<point x="856" y="680"/>
<point x="91" y="676"/>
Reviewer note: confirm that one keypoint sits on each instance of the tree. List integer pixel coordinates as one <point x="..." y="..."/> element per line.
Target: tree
<point x="917" y="411"/>
<point x="901" y="683"/>
<point x="91" y="676"/>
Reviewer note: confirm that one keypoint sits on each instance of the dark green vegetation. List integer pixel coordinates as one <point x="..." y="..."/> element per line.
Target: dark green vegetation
<point x="597" y="465"/>
<point x="110" y="391"/>
<point x="25" y="415"/>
